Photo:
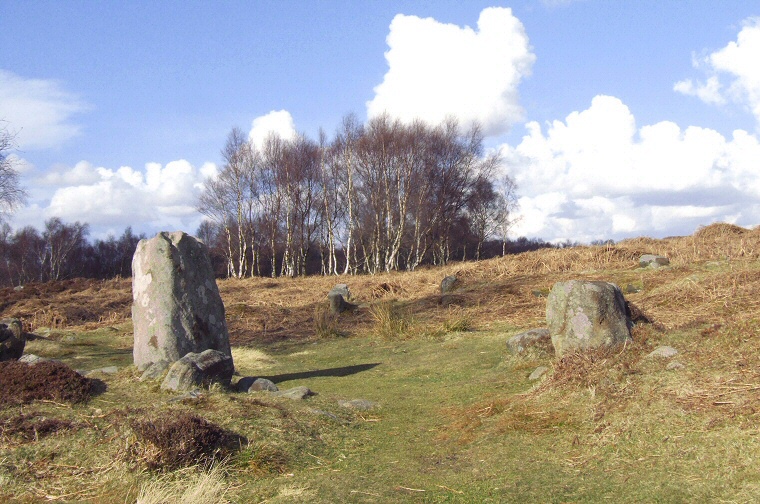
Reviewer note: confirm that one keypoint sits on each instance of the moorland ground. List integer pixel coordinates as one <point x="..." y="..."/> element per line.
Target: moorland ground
<point x="455" y="417"/>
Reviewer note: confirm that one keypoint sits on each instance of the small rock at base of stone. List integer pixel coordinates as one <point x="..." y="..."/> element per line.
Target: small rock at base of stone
<point x="538" y="373"/>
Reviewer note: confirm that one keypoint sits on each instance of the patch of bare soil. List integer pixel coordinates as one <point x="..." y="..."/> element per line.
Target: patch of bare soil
<point x="32" y="427"/>
<point x="21" y="383"/>
<point x="179" y="439"/>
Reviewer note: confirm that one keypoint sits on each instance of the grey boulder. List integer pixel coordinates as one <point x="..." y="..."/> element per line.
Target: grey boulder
<point x="519" y="343"/>
<point x="296" y="393"/>
<point x="338" y="297"/>
<point x="252" y="384"/>
<point x="653" y="261"/>
<point x="584" y="315"/>
<point x="199" y="370"/>
<point x="12" y="339"/>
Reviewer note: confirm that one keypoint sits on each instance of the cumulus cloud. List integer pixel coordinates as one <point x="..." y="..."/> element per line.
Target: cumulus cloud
<point x="157" y="197"/>
<point x="437" y="70"/>
<point x="40" y="111"/>
<point x="279" y="122"/>
<point x="597" y="175"/>
<point x="733" y="73"/>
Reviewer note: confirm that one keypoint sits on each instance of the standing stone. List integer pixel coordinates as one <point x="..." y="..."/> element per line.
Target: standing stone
<point x="447" y="284"/>
<point x="12" y="339"/>
<point x="176" y="306"/>
<point x="337" y="297"/>
<point x="583" y="315"/>
<point x="343" y="290"/>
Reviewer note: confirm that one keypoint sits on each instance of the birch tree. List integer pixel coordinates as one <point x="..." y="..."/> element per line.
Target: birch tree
<point x="12" y="195"/>
<point x="229" y="201"/>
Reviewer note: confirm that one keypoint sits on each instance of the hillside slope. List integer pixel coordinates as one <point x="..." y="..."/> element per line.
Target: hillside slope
<point x="452" y="415"/>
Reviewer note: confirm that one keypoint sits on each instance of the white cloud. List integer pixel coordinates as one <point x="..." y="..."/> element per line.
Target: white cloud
<point x="438" y="70"/>
<point x="155" y="198"/>
<point x="596" y="175"/>
<point x="81" y="174"/>
<point x="733" y="72"/>
<point x="39" y="111"/>
<point x="279" y="122"/>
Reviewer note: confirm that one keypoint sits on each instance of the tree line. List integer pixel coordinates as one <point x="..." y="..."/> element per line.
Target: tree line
<point x="380" y="196"/>
<point x="62" y="251"/>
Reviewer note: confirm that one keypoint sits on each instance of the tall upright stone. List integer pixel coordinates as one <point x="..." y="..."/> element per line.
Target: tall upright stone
<point x="583" y="315"/>
<point x="176" y="306"/>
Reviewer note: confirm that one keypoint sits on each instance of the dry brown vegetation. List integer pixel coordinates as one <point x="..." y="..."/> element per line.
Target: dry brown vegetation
<point x="500" y="290"/>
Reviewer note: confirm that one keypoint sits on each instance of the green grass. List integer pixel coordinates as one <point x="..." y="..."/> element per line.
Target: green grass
<point x="456" y="421"/>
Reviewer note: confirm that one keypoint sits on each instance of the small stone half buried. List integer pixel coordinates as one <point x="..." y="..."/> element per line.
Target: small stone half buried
<point x="664" y="352"/>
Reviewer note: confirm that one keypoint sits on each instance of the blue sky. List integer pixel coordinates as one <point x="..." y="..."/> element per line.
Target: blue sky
<point x="616" y="118"/>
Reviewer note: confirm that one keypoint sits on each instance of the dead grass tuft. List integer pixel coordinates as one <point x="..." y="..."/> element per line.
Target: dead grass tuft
<point x="719" y="230"/>
<point x="458" y="321"/>
<point x="200" y="487"/>
<point x="21" y="383"/>
<point x="326" y="323"/>
<point x="392" y="320"/>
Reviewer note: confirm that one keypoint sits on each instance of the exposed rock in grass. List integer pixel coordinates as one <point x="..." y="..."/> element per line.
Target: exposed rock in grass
<point x="154" y="370"/>
<point x="338" y="297"/>
<point x="448" y="284"/>
<point x="296" y="393"/>
<point x="21" y="383"/>
<point x="199" y="370"/>
<point x="357" y="404"/>
<point x="343" y="290"/>
<point x="583" y="315"/>
<point x="653" y="261"/>
<point x="674" y="366"/>
<point x="538" y="373"/>
<point x="12" y="340"/>
<point x="253" y="384"/>
<point x="664" y="352"/>
<point x="519" y="343"/>
<point x="32" y="359"/>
